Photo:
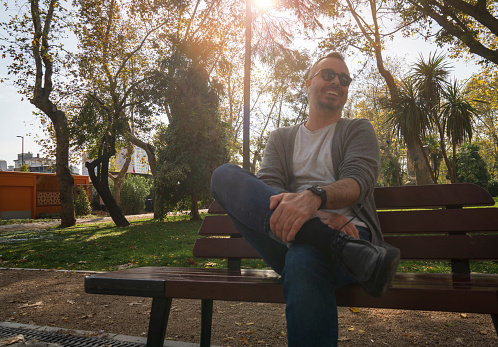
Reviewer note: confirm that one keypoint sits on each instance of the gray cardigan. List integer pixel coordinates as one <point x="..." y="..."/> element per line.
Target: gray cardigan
<point x="355" y="154"/>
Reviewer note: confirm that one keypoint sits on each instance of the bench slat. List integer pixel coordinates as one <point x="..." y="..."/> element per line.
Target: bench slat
<point x="224" y="248"/>
<point x="444" y="247"/>
<point x="440" y="292"/>
<point x="480" y="220"/>
<point x="478" y="247"/>
<point x="432" y="195"/>
<point x="217" y="225"/>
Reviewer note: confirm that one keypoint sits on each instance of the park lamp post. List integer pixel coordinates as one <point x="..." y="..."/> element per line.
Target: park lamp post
<point x="22" y="149"/>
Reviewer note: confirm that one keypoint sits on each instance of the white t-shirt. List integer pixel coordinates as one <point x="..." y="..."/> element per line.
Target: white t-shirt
<point x="312" y="162"/>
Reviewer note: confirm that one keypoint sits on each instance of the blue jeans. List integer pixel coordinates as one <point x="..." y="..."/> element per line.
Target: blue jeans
<point x="309" y="280"/>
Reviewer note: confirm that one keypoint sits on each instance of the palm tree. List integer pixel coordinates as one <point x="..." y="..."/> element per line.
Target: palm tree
<point x="410" y="122"/>
<point x="457" y="115"/>
<point x="431" y="79"/>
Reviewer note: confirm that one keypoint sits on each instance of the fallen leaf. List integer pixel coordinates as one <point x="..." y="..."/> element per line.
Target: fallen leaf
<point x="354" y="309"/>
<point x="70" y="302"/>
<point x="463" y="315"/>
<point x="244" y="341"/>
<point x="228" y="338"/>
<point x="238" y="324"/>
<point x="251" y="323"/>
<point x="36" y="304"/>
<point x="351" y="329"/>
<point x="12" y="340"/>
<point x="362" y="331"/>
<point x="483" y="332"/>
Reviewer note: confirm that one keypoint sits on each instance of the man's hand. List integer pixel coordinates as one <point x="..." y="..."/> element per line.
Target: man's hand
<point x="335" y="221"/>
<point x="291" y="211"/>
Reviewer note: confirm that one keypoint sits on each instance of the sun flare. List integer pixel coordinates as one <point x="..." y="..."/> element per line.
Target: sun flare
<point x="263" y="5"/>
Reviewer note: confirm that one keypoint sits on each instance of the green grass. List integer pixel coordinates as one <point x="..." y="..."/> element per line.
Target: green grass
<point x="105" y="247"/>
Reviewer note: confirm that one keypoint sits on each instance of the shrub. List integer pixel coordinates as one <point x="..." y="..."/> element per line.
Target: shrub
<point x="82" y="204"/>
<point x="493" y="187"/>
<point x="134" y="191"/>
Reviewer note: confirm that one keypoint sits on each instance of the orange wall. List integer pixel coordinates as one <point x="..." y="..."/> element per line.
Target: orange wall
<point x="30" y="194"/>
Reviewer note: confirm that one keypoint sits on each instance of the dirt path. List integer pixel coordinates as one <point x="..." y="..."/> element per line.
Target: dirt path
<point x="56" y="298"/>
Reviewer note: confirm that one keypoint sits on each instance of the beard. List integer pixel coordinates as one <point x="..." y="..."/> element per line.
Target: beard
<point x="333" y="104"/>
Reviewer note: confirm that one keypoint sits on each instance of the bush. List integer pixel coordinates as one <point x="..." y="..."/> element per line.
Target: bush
<point x="493" y="187"/>
<point x="82" y="204"/>
<point x="134" y="192"/>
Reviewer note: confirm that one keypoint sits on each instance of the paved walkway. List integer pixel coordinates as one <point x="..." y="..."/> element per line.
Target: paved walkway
<point x="55" y="222"/>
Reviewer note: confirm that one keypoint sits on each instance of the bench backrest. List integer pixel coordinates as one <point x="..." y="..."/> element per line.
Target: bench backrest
<point x="429" y="222"/>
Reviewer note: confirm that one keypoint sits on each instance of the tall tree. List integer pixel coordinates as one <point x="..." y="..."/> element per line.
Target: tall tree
<point x="38" y="64"/>
<point x="411" y="122"/>
<point x="194" y="143"/>
<point x="119" y="42"/>
<point x="457" y="114"/>
<point x="465" y="24"/>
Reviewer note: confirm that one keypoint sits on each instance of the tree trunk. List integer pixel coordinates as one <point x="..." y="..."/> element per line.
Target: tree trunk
<point x="194" y="209"/>
<point x="101" y="183"/>
<point x="63" y="173"/>
<point x="65" y="179"/>
<point x="419" y="163"/>
<point x="119" y="179"/>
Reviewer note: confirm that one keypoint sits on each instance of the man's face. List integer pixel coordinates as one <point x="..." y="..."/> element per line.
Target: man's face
<point x="329" y="95"/>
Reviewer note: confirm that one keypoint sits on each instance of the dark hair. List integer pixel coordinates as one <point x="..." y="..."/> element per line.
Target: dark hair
<point x="330" y="55"/>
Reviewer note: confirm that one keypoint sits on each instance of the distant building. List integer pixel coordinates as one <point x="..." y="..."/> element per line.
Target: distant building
<point x="22" y="157"/>
<point x="37" y="164"/>
<point x="3" y="165"/>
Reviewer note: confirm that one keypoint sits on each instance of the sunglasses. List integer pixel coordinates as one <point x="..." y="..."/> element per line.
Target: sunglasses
<point x="329" y="74"/>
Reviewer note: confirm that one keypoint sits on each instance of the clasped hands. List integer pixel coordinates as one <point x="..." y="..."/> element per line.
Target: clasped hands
<point x="292" y="210"/>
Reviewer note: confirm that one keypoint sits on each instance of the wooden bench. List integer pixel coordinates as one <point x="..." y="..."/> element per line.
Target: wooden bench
<point x="439" y="229"/>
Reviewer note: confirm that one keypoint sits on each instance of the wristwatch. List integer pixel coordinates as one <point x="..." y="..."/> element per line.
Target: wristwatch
<point x="316" y="189"/>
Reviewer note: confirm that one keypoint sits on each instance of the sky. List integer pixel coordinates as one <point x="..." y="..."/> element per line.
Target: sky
<point x="17" y="118"/>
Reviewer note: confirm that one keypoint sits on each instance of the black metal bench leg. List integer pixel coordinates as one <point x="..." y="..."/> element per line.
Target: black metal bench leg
<point x="494" y="317"/>
<point x="206" y="322"/>
<point x="158" y="322"/>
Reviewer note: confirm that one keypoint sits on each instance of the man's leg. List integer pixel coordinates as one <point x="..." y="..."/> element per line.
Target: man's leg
<point x="247" y="202"/>
<point x="309" y="281"/>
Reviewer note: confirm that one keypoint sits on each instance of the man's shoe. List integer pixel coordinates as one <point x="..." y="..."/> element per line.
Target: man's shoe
<point x="372" y="266"/>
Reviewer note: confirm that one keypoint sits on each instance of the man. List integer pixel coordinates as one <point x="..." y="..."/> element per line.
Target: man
<point x="310" y="211"/>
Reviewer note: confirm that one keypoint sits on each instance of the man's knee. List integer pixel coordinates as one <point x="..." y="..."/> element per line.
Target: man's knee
<point x="220" y="176"/>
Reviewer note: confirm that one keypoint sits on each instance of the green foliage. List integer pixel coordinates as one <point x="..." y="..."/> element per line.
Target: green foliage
<point x="82" y="205"/>
<point x="194" y="143"/>
<point x="24" y="168"/>
<point x="134" y="191"/>
<point x="470" y="167"/>
<point x="493" y="187"/>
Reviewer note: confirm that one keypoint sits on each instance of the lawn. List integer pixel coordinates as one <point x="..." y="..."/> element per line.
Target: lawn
<point x="105" y="247"/>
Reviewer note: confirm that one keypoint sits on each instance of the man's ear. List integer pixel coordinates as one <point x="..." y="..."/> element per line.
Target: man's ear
<point x="308" y="83"/>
